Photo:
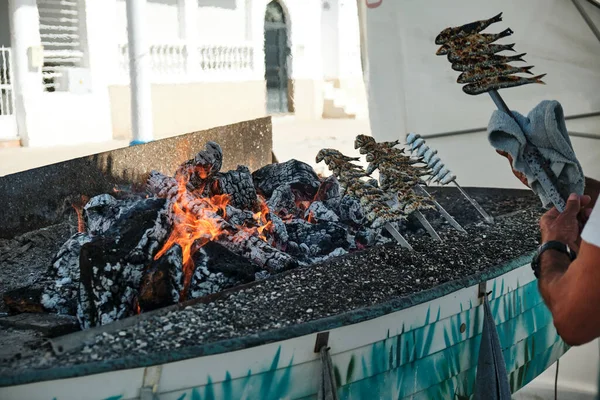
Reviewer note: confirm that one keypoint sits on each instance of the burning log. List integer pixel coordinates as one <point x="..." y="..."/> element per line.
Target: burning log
<point x="258" y="251"/>
<point x="109" y="279"/>
<point x="162" y="282"/>
<point x="24" y="300"/>
<point x="283" y="202"/>
<point x="238" y="186"/>
<point x="300" y="176"/>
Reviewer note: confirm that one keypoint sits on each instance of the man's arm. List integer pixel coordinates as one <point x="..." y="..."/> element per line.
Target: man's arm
<point x="571" y="290"/>
<point x="573" y="294"/>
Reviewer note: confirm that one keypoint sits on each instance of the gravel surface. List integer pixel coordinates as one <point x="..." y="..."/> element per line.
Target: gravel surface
<point x="343" y="284"/>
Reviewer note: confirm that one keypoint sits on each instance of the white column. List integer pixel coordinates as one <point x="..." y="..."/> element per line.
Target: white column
<point x="26" y="59"/>
<point x="188" y="32"/>
<point x="139" y="72"/>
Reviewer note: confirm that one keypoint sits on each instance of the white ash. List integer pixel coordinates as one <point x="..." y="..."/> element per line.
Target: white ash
<point x="204" y="281"/>
<point x="61" y="295"/>
<point x="319" y="212"/>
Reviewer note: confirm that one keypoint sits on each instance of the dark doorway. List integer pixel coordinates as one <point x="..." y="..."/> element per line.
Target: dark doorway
<point x="276" y="53"/>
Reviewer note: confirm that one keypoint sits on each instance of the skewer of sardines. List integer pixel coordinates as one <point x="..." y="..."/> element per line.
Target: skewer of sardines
<point x="400" y="173"/>
<point x="484" y="71"/>
<point x="374" y="201"/>
<point x="439" y="172"/>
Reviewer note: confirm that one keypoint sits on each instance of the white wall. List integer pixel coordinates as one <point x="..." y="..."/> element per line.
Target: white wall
<point x="4" y="24"/>
<point x="412" y="89"/>
<point x="221" y="21"/>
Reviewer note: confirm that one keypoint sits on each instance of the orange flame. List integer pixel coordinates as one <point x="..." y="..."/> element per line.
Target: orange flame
<point x="78" y="207"/>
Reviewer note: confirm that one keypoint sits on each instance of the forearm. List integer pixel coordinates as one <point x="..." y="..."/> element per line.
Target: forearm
<point x="553" y="265"/>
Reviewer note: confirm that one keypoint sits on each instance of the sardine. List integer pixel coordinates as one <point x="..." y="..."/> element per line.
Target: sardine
<point x="429" y="154"/>
<point x="500" y="82"/>
<point x="485" y="60"/>
<point x="417" y="143"/>
<point x="475" y="39"/>
<point x="480" y="73"/>
<point x="458" y="32"/>
<point x="478" y="50"/>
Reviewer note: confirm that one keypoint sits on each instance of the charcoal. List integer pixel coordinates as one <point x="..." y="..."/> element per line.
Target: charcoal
<point x="162" y="281"/>
<point x="279" y="232"/>
<point x="24" y="300"/>
<point x="100" y="213"/>
<point x="217" y="269"/>
<point x="60" y="295"/>
<point x="237" y="217"/>
<point x="48" y="325"/>
<point x="350" y="211"/>
<point x="259" y="252"/>
<point x="109" y="281"/>
<point x="298" y="175"/>
<point x="283" y="202"/>
<point x="218" y="258"/>
<point x="319" y="212"/>
<point x="238" y="185"/>
<point x="321" y="238"/>
<point x="335" y="253"/>
<point x="365" y="237"/>
<point x="330" y="192"/>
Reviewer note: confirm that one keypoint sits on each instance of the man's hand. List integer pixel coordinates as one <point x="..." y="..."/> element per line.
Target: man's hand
<point x="565" y="227"/>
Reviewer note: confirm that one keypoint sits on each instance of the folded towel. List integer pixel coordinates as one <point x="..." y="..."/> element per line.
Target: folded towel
<point x="545" y="129"/>
<point x="491" y="381"/>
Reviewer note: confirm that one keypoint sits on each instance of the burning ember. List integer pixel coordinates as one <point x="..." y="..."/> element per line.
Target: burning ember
<point x="202" y="231"/>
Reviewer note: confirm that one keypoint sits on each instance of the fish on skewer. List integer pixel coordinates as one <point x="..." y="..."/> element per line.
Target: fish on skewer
<point x="478" y="50"/>
<point x="485" y="60"/>
<point x="475" y="39"/>
<point x="453" y="33"/>
<point x="500" y="82"/>
<point x="480" y="73"/>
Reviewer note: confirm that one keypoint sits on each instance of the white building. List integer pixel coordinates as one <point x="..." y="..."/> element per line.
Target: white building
<point x="64" y="65"/>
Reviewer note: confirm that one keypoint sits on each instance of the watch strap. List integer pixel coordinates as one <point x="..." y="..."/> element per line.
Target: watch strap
<point x="550" y="245"/>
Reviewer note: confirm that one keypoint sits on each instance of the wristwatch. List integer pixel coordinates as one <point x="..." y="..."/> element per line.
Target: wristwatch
<point x="550" y="245"/>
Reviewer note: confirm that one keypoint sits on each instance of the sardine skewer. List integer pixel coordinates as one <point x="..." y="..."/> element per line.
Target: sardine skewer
<point x="534" y="160"/>
<point x="474" y="39"/>
<point x="492" y="71"/>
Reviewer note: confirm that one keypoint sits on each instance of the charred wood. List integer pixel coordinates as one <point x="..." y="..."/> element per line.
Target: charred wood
<point x="258" y="252"/>
<point x="162" y="281"/>
<point x="321" y="238"/>
<point x="109" y="280"/>
<point x="319" y="212"/>
<point x="60" y="295"/>
<point x="283" y="202"/>
<point x="300" y="176"/>
<point x="24" y="300"/>
<point x="202" y="167"/>
<point x="238" y="185"/>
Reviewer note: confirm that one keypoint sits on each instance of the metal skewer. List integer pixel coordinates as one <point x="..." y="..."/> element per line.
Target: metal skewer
<point x="441" y="209"/>
<point x="534" y="159"/>
<point x="427" y="225"/>
<point x="398" y="236"/>
<point x="488" y="218"/>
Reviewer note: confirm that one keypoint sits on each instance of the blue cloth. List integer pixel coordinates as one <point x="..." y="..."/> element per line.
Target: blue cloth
<point x="491" y="382"/>
<point x="545" y="129"/>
